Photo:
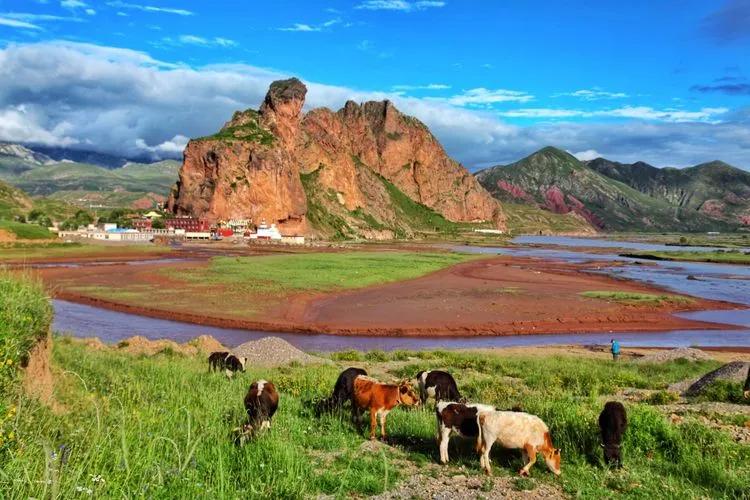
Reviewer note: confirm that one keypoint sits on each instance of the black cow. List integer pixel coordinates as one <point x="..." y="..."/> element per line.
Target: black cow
<point x="343" y="391"/>
<point x="439" y="385"/>
<point x="746" y="389"/>
<point x="261" y="403"/>
<point x="457" y="418"/>
<point x="216" y="361"/>
<point x="613" y="421"/>
<point x="234" y="364"/>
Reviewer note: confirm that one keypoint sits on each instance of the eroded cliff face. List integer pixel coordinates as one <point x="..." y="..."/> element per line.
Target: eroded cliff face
<point x="252" y="167"/>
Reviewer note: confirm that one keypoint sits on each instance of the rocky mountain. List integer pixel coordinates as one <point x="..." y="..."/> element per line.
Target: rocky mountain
<point x="557" y="181"/>
<point x="366" y="170"/>
<point x="715" y="189"/>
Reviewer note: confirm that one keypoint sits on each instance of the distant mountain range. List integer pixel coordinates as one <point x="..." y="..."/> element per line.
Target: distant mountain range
<point x="136" y="185"/>
<point x="614" y="196"/>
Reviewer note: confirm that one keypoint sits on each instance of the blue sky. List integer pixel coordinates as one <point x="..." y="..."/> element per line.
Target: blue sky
<point x="667" y="82"/>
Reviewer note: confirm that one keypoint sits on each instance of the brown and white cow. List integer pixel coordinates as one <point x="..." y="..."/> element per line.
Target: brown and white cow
<point x="379" y="398"/>
<point x="261" y="403"/>
<point x="457" y="418"/>
<point x="517" y="430"/>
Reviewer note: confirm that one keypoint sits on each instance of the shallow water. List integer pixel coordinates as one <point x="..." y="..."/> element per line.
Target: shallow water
<point x="574" y="241"/>
<point x="712" y="281"/>
<point x="111" y="327"/>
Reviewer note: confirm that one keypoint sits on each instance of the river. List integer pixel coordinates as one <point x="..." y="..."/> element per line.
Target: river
<point x="713" y="281"/>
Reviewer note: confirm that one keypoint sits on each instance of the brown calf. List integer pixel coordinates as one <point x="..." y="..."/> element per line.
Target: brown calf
<point x="380" y="399"/>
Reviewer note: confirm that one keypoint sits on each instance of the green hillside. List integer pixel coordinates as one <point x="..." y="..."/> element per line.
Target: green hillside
<point x="558" y="182"/>
<point x="13" y="201"/>
<point x="716" y="189"/>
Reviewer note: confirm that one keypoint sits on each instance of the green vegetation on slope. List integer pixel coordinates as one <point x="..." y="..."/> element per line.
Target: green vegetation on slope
<point x="718" y="257"/>
<point x="530" y="219"/>
<point x="25" y="231"/>
<point x="13" y="201"/>
<point x="552" y="178"/>
<point x="25" y="316"/>
<point x="320" y="271"/>
<point x="247" y="128"/>
<point x="162" y="427"/>
<point x="638" y="298"/>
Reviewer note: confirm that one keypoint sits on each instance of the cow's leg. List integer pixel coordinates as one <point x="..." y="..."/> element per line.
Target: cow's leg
<point x="373" y="422"/>
<point x="484" y="458"/>
<point x="529" y="459"/>
<point x="445" y="435"/>
<point x="383" y="415"/>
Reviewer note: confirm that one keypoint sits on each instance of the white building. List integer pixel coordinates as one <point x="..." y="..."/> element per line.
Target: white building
<point x="266" y="232"/>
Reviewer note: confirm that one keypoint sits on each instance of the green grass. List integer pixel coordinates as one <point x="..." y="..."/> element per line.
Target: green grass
<point x="23" y="251"/>
<point x="26" y="231"/>
<point x="530" y="219"/>
<point x="633" y="298"/>
<point x="162" y="427"/>
<point x="319" y="272"/>
<point x="25" y="316"/>
<point x="718" y="257"/>
<point x="251" y="131"/>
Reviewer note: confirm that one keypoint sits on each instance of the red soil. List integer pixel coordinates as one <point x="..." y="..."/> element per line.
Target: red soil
<point x="496" y="296"/>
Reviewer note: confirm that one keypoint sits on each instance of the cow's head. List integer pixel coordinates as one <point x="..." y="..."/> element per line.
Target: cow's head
<point x="243" y="363"/>
<point x="407" y="394"/>
<point x="552" y="458"/>
<point x="612" y="454"/>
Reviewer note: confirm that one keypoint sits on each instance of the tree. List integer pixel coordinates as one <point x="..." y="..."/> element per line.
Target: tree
<point x="83" y="218"/>
<point x="158" y="223"/>
<point x="44" y="221"/>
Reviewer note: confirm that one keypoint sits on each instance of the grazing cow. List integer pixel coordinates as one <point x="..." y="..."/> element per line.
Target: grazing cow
<point x="216" y="361"/>
<point x="457" y="418"/>
<point x="516" y="430"/>
<point x="380" y="399"/>
<point x="612" y="422"/>
<point x="439" y="385"/>
<point x="343" y="391"/>
<point x="746" y="389"/>
<point x="261" y="402"/>
<point x="234" y="364"/>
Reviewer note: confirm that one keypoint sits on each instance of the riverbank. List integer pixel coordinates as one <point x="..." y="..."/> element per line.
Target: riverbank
<point x="491" y="296"/>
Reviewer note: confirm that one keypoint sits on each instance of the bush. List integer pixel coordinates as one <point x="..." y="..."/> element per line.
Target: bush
<point x="25" y="317"/>
<point x="662" y="398"/>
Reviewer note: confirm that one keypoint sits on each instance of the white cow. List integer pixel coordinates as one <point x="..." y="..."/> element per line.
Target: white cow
<point x="516" y="430"/>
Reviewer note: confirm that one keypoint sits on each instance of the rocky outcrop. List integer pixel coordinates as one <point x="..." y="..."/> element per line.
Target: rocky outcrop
<point x="252" y="167"/>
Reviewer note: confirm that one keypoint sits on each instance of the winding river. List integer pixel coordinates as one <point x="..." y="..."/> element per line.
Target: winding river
<point x="712" y="281"/>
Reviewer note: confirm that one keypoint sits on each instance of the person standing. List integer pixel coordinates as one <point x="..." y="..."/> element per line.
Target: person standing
<point x="615" y="348"/>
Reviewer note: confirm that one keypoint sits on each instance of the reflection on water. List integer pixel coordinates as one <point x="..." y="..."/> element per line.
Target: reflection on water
<point x="86" y="321"/>
<point x="712" y="281"/>
<point x="571" y="241"/>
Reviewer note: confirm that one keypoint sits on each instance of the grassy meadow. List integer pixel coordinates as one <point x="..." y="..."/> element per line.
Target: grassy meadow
<point x="636" y="298"/>
<point x="161" y="426"/>
<point x="28" y="251"/>
<point x="717" y="257"/>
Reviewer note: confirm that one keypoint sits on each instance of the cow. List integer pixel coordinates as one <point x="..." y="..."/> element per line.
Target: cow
<point x="261" y="403"/>
<point x="234" y="364"/>
<point x="746" y="388"/>
<point x="457" y="418"/>
<point x="516" y="430"/>
<point x="379" y="398"/>
<point x="439" y="385"/>
<point x="612" y="422"/>
<point x="343" y="391"/>
<point x="216" y="361"/>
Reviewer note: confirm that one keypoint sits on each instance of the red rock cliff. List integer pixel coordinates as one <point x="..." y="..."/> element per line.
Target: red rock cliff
<point x="251" y="167"/>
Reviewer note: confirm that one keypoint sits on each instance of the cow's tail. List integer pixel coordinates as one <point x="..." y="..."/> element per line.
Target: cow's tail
<point x="480" y="444"/>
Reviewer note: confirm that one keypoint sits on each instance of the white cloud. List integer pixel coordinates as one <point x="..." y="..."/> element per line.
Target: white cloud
<point x="73" y="4"/>
<point x="15" y="23"/>
<point x="105" y="98"/>
<point x="399" y="5"/>
<point x="593" y="94"/>
<point x="200" y="41"/>
<point x="90" y="12"/>
<point x="32" y="18"/>
<point x="486" y="97"/>
<point x="589" y="154"/>
<point x="149" y="8"/>
<point x="635" y="112"/>
<point x="173" y="146"/>
<point x="309" y="28"/>
<point x="429" y="86"/>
